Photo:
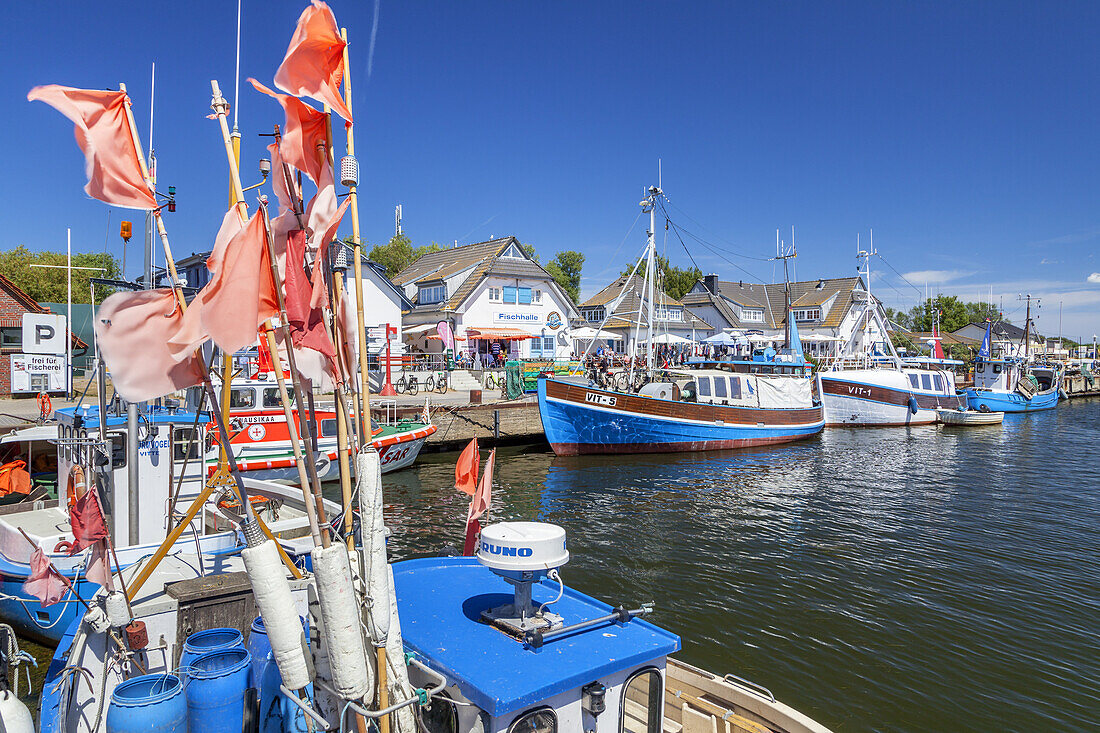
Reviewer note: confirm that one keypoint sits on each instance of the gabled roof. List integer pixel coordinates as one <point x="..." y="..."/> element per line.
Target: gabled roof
<point x="33" y="306"/>
<point x="441" y="265"/>
<point x="625" y="314"/>
<point x="771" y="298"/>
<point x="1006" y="330"/>
<point x="481" y="259"/>
<point x="697" y="299"/>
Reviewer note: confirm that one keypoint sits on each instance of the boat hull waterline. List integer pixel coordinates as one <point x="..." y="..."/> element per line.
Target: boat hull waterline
<point x="856" y="399"/>
<point x="581" y="420"/>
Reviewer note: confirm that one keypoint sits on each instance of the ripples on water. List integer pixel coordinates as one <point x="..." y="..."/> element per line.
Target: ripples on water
<point x="912" y="579"/>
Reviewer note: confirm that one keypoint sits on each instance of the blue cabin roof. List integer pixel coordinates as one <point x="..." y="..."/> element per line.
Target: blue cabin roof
<point x="441" y="600"/>
<point x="156" y="415"/>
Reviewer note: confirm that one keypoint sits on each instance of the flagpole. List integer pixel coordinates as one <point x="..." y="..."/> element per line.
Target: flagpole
<point x="357" y="247"/>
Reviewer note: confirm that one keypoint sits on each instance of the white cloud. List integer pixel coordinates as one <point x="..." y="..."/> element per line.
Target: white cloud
<point x="1045" y="261"/>
<point x="1094" y="277"/>
<point x="934" y="277"/>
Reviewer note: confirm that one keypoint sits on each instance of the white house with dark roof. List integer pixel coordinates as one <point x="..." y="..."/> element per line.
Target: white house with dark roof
<point x="829" y="313"/>
<point x="1007" y="338"/>
<point x="490" y="293"/>
<point x="670" y="316"/>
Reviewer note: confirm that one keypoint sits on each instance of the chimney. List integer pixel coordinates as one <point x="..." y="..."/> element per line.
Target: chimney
<point x="711" y="283"/>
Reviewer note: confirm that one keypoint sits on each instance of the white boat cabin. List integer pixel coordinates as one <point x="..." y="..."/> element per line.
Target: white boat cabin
<point x="720" y="387"/>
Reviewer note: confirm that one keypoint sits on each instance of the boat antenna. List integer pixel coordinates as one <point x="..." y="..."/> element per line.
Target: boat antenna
<point x="784" y="254"/>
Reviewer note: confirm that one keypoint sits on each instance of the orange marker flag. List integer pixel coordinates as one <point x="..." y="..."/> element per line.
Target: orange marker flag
<point x="314" y="62"/>
<point x="304" y="130"/>
<point x="466" y="468"/>
<point x="103" y="133"/>
<point x="479" y="505"/>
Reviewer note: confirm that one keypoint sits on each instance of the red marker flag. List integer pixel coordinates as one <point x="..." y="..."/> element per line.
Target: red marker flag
<point x="479" y="505"/>
<point x="87" y="522"/>
<point x="466" y="468"/>
<point x="314" y="62"/>
<point x="104" y="135"/>
<point x="44" y="583"/>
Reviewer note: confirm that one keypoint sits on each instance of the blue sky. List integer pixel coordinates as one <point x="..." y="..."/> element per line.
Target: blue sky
<point x="963" y="135"/>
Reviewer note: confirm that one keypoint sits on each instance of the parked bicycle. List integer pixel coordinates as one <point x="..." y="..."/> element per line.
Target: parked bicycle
<point x="436" y="383"/>
<point x="408" y="384"/>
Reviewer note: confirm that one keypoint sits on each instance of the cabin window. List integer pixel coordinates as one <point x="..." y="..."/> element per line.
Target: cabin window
<point x="328" y="428"/>
<point x="720" y="388"/>
<point x="272" y="399"/>
<point x="242" y="398"/>
<point x="996" y="368"/>
<point x="926" y="382"/>
<point x="735" y="388"/>
<point x="642" y="703"/>
<point x="185" y="445"/>
<point x="118" y="450"/>
<point x="914" y="379"/>
<point x="704" y="386"/>
<point x="542" y="720"/>
<point x="939" y="382"/>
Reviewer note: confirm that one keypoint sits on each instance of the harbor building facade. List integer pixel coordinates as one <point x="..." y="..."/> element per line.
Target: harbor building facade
<point x="499" y="303"/>
<point x="617" y="308"/>
<point x="1006" y="339"/>
<point x="830" y="313"/>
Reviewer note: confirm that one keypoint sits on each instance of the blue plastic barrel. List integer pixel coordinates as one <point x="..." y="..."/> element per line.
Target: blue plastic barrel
<point x="152" y="703"/>
<point x="208" y="640"/>
<point x="215" y="691"/>
<point x="277" y="713"/>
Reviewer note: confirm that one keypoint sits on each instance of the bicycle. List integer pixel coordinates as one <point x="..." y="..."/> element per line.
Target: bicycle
<point x="436" y="383"/>
<point x="408" y="384"/>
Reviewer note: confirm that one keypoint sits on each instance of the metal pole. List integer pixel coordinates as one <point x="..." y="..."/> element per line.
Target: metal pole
<point x="69" y="317"/>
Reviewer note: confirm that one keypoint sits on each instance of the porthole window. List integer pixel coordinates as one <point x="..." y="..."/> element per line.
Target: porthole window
<point x="542" y="720"/>
<point x="643" y="703"/>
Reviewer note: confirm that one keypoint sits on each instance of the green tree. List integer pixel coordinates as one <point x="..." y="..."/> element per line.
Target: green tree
<point x="49" y="284"/>
<point x="565" y="268"/>
<point x="530" y="250"/>
<point x="899" y="317"/>
<point x="675" y="281"/>
<point x="398" y="253"/>
<point x="953" y="314"/>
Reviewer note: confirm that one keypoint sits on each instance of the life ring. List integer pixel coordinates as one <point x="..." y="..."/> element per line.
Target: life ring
<point x="45" y="406"/>
<point x="76" y="486"/>
<point x="63" y="546"/>
<point x="232" y="502"/>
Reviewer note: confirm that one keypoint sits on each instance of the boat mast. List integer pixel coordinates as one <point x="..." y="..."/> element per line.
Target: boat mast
<point x="786" y="254"/>
<point x="651" y="271"/>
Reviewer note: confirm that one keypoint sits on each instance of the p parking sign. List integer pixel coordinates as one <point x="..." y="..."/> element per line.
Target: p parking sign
<point x="43" y="333"/>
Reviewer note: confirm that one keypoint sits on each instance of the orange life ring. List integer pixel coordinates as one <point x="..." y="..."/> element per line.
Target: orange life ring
<point x="76" y="486"/>
<point x="45" y="406"/>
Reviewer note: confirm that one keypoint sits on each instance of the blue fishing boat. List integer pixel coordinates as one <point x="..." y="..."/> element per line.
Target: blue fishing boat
<point x="1012" y="384"/>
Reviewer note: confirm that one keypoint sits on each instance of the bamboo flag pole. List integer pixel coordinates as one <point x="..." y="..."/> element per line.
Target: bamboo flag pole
<point x="357" y="248"/>
<point x="361" y="337"/>
<point x="310" y="494"/>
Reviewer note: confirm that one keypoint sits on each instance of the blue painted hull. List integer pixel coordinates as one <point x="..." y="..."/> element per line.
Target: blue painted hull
<point x="575" y="428"/>
<point x="25" y="613"/>
<point x="1000" y="401"/>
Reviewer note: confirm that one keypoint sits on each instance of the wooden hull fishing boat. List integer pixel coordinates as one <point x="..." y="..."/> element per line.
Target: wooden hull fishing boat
<point x="579" y="418"/>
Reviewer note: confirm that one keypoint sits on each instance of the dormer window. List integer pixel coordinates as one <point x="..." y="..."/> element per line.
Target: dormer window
<point x="753" y="315"/>
<point x="432" y="293"/>
<point x="807" y="314"/>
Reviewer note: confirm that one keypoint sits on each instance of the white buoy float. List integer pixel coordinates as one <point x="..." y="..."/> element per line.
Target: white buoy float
<point x="340" y="622"/>
<point x="276" y="606"/>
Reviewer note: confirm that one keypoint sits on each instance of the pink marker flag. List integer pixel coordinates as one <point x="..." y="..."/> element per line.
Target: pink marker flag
<point x="304" y="131"/>
<point x="314" y="62"/>
<point x="44" y="583"/>
<point x="240" y="295"/>
<point x="103" y="132"/>
<point x="479" y="505"/>
<point x="98" y="568"/>
<point x="133" y="331"/>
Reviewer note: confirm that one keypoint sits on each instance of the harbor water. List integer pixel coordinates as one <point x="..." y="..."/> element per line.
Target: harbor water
<point x="891" y="579"/>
